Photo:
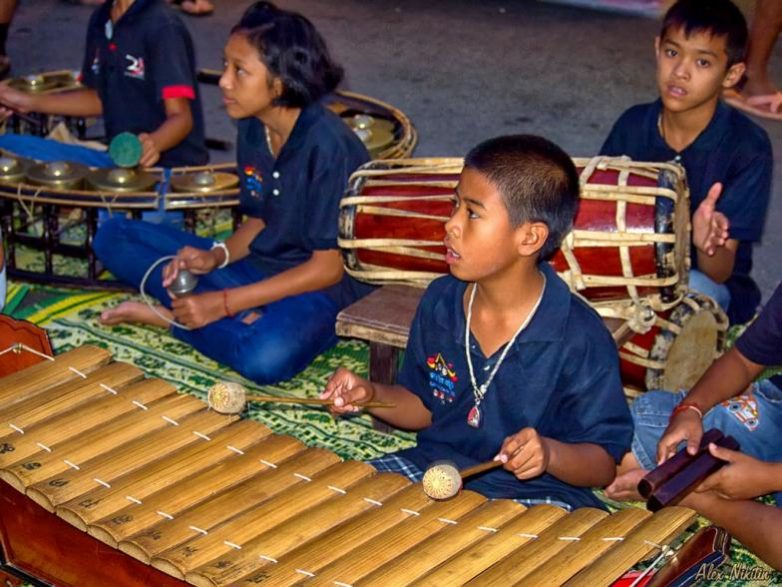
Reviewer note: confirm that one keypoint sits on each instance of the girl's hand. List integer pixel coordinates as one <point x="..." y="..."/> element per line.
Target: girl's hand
<point x="526" y="454"/>
<point x="196" y="261"/>
<point x="198" y="310"/>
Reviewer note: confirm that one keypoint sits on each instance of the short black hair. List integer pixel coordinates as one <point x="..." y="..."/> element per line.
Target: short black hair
<point x="293" y="51"/>
<point x="536" y="179"/>
<point x="719" y="18"/>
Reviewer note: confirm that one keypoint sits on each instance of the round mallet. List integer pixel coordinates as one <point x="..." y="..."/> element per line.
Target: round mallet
<point x="229" y="397"/>
<point x="125" y="150"/>
<point x="442" y="480"/>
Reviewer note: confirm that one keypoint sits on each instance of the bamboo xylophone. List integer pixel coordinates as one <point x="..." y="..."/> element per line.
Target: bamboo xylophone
<point x="113" y="463"/>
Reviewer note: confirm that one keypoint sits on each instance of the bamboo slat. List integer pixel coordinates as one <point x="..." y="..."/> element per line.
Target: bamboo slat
<point x="137" y="453"/>
<point x="176" y="467"/>
<point x="657" y="530"/>
<point x="308" y="559"/>
<point x="169" y="503"/>
<point x="594" y="543"/>
<point x="549" y="543"/>
<point x="260" y="516"/>
<point x="470" y="529"/>
<point x="466" y="565"/>
<point x="47" y="374"/>
<point x="168" y="534"/>
<point x="67" y="397"/>
<point x="269" y="546"/>
<point x="48" y="435"/>
<point x="351" y="568"/>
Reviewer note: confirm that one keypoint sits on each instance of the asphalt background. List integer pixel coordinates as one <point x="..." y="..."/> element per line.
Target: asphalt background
<point x="461" y="70"/>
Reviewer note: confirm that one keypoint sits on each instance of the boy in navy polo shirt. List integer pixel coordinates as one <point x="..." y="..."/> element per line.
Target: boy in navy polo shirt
<point x="503" y="362"/>
<point x="139" y="73"/>
<point x="728" y="158"/>
<point x="725" y="398"/>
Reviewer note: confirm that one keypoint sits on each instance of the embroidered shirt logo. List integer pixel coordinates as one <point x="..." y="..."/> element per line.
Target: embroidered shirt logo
<point x="253" y="181"/>
<point x="135" y="68"/>
<point x="442" y="378"/>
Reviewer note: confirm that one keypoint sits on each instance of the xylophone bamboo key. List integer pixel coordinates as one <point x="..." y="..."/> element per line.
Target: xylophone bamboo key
<point x="269" y="546"/>
<point x="472" y="561"/>
<point x="157" y="475"/>
<point x="41" y="377"/>
<point x="49" y="434"/>
<point x="95" y="441"/>
<point x="308" y="559"/>
<point x="471" y="528"/>
<point x="169" y="534"/>
<point x="263" y="516"/>
<point x="65" y="397"/>
<point x="169" y="503"/>
<point x="594" y="543"/>
<point x="131" y="456"/>
<point x="352" y="567"/>
<point x="656" y="530"/>
<point x="530" y="556"/>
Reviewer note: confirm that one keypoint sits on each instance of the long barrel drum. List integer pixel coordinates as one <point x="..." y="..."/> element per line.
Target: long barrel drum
<point x="110" y="478"/>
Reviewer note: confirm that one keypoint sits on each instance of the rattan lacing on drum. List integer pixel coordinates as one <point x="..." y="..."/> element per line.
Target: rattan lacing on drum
<point x="376" y="175"/>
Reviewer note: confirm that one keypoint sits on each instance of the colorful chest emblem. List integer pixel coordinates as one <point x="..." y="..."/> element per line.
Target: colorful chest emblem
<point x="442" y="378"/>
<point x="135" y="66"/>
<point x="253" y="181"/>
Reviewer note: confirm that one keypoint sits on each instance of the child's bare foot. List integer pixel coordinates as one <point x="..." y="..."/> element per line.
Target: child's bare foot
<point x="135" y="312"/>
<point x="625" y="487"/>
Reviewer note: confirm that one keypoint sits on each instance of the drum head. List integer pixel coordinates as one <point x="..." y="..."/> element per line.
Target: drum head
<point x="687" y="354"/>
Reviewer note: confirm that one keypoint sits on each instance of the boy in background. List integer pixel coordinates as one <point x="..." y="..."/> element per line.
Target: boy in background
<point x="728" y="158"/>
<point x="503" y="362"/>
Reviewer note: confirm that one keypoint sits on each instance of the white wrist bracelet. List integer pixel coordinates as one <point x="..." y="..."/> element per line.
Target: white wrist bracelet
<point x="221" y="245"/>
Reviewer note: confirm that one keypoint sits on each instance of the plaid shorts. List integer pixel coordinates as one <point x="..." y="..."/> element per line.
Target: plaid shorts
<point x="392" y="463"/>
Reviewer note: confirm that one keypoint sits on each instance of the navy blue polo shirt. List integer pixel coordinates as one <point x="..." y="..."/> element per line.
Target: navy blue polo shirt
<point x="761" y="343"/>
<point x="297" y="194"/>
<point x="731" y="149"/>
<point x="146" y="57"/>
<point x="561" y="377"/>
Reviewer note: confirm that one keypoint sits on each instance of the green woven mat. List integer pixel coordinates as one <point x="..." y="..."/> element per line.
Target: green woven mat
<point x="71" y="317"/>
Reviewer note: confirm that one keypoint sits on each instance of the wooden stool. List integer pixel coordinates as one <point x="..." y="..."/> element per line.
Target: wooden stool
<point x="383" y="318"/>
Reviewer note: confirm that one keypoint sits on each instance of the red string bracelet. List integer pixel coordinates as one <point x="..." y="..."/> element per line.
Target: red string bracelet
<point x="228" y="312"/>
<point x="683" y="407"/>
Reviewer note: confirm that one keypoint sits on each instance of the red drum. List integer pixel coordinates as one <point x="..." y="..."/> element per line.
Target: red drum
<point x="630" y="238"/>
<point x="679" y="346"/>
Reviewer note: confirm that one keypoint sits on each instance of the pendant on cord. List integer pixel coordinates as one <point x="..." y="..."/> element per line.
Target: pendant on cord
<point x="474" y="417"/>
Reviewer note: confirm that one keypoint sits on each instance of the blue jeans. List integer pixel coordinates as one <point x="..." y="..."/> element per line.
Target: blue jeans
<point x="753" y="418"/>
<point x="289" y="334"/>
<point x="704" y="284"/>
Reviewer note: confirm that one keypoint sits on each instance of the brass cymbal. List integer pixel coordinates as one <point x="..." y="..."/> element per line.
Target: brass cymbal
<point x="204" y="182"/>
<point x="34" y="83"/>
<point x="121" y="179"/>
<point x="376" y="133"/>
<point x="13" y="169"/>
<point x="58" y="174"/>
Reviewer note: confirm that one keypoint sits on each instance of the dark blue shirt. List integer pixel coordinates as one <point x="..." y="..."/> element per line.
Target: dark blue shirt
<point x="134" y="64"/>
<point x="297" y="194"/>
<point x="731" y="149"/>
<point x="761" y="343"/>
<point x="561" y="377"/>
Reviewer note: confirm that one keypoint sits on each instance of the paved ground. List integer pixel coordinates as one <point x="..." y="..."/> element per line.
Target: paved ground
<point x="462" y="70"/>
